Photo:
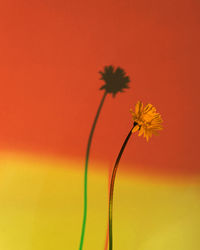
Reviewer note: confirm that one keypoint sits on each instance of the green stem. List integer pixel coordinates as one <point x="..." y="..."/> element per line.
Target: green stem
<point x="112" y="188"/>
<point x="86" y="170"/>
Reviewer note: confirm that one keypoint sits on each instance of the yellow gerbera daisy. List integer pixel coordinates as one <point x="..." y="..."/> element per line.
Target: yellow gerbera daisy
<point x="146" y="120"/>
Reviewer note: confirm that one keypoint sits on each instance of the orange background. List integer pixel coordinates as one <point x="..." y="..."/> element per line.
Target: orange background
<point x="50" y="55"/>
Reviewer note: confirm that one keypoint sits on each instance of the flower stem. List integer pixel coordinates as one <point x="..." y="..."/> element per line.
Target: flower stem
<point x="86" y="170"/>
<point x="112" y="188"/>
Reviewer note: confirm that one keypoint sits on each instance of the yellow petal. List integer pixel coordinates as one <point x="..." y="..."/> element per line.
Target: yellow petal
<point x="147" y="107"/>
<point x="138" y="107"/>
<point x="134" y="116"/>
<point x="141" y="131"/>
<point x="136" y="128"/>
<point x="144" y="133"/>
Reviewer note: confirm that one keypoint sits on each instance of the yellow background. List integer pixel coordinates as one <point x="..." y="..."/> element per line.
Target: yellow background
<point x="42" y="201"/>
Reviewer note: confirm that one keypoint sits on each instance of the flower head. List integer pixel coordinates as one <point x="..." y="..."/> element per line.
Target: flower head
<point x="146" y="120"/>
<point x="115" y="80"/>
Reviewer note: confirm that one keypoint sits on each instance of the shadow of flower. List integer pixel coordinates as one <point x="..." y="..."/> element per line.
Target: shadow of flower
<point x="115" y="80"/>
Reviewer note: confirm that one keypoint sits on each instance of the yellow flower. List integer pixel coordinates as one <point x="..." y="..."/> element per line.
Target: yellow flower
<point x="146" y="120"/>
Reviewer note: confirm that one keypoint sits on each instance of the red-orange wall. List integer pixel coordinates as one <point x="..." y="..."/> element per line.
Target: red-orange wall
<point x="50" y="55"/>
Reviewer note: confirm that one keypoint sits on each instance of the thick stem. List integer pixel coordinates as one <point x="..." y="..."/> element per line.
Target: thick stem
<point x="112" y="188"/>
<point x="86" y="170"/>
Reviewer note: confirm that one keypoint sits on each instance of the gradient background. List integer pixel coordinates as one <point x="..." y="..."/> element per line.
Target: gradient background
<point x="50" y="55"/>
